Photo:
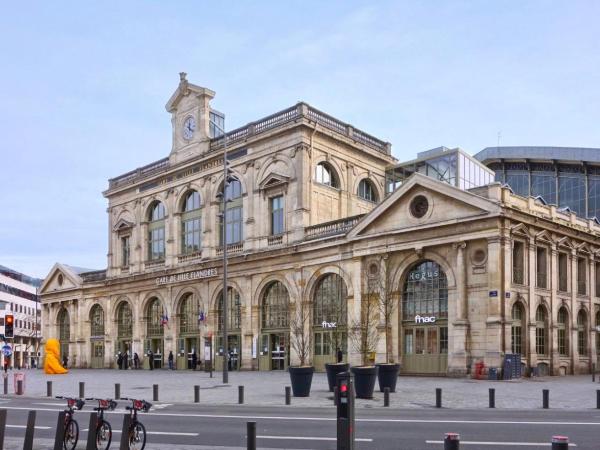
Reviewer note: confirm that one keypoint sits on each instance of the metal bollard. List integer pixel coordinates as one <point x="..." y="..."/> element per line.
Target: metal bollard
<point x="241" y="395"/>
<point x="492" y="398"/>
<point x="28" y="443"/>
<point x="288" y="395"/>
<point x="81" y="389"/>
<point x="48" y="388"/>
<point x="451" y="441"/>
<point x="335" y="395"/>
<point x="438" y="397"/>
<point x="6" y="386"/>
<point x="196" y="394"/>
<point x="560" y="442"/>
<point x="117" y="391"/>
<point x="545" y="398"/>
<point x="251" y="431"/>
<point x="124" y="444"/>
<point x="20" y="387"/>
<point x="155" y="392"/>
<point x="597" y="398"/>
<point x="2" y="426"/>
<point x="386" y="396"/>
<point x="59" y="437"/>
<point x="91" y="437"/>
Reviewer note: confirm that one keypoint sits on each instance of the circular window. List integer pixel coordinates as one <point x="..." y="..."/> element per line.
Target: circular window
<point x="479" y="256"/>
<point x="60" y="279"/>
<point x="419" y="206"/>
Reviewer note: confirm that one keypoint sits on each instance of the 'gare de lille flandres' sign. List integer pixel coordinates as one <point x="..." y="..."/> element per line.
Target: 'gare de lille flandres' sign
<point x="187" y="276"/>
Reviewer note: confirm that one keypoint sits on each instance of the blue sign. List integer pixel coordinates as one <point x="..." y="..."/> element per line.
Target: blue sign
<point x="493" y="293"/>
<point x="6" y="350"/>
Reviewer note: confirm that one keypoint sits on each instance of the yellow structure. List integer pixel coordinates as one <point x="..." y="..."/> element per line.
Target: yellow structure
<point x="51" y="363"/>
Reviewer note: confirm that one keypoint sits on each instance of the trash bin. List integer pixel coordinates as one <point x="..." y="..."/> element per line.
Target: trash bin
<point x="19" y="376"/>
<point x="493" y="373"/>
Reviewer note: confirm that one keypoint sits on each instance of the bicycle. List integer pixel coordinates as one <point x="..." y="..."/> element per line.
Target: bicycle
<point x="71" y="426"/>
<point x="103" y="428"/>
<point x="137" y="431"/>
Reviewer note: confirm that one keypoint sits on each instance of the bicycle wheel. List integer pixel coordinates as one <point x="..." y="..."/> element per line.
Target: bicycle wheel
<point x="137" y="436"/>
<point x="103" y="435"/>
<point x="71" y="435"/>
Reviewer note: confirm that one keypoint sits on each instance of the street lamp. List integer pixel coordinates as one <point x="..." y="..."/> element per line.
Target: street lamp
<point x="224" y="234"/>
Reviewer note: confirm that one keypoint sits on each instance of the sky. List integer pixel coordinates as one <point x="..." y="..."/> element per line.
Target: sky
<point x="83" y="88"/>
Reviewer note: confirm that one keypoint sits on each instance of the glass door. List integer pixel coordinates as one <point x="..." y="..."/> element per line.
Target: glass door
<point x="425" y="349"/>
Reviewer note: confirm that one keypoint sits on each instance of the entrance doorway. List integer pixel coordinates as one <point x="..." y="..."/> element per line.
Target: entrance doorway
<point x="233" y="352"/>
<point x="186" y="348"/>
<point x="325" y="347"/>
<point x="97" y="354"/>
<point x="157" y="347"/>
<point x="425" y="349"/>
<point x="274" y="351"/>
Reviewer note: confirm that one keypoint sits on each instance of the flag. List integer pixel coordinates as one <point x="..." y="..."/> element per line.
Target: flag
<point x="201" y="316"/>
<point x="164" y="320"/>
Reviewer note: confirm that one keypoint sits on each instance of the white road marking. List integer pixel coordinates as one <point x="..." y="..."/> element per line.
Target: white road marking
<point x="308" y="438"/>
<point x="64" y="405"/>
<point x="24" y="426"/>
<point x="514" y="444"/>
<point x="165" y="433"/>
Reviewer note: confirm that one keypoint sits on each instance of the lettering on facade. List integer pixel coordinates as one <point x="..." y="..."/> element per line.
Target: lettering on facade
<point x="186" y="276"/>
<point x="418" y="275"/>
<point x="424" y="319"/>
<point x="329" y="324"/>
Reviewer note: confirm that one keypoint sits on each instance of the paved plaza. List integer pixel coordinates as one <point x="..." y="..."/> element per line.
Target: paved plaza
<point x="267" y="389"/>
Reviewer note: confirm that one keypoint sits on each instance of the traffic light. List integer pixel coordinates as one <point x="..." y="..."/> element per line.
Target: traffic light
<point x="9" y="326"/>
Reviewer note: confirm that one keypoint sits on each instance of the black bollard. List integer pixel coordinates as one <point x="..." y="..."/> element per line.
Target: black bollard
<point x="492" y="398"/>
<point x="251" y="431"/>
<point x="288" y="395"/>
<point x="28" y="443"/>
<point x="196" y="394"/>
<point x="451" y="441"/>
<point x="117" y="391"/>
<point x="5" y="385"/>
<point x="438" y="397"/>
<point x="155" y="392"/>
<point x="545" y="398"/>
<point x="386" y="396"/>
<point x="20" y="387"/>
<point x="2" y="426"/>
<point x="241" y="395"/>
<point x="59" y="437"/>
<point x="48" y="388"/>
<point x="124" y="444"/>
<point x="560" y="442"/>
<point x="81" y="389"/>
<point x="597" y="398"/>
<point x="91" y="437"/>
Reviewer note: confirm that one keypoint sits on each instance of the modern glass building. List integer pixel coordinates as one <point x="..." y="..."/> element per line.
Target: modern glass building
<point x="562" y="176"/>
<point x="452" y="166"/>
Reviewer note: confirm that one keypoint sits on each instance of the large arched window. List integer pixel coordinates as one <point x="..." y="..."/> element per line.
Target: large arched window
<point x="235" y="213"/>
<point x="156" y="232"/>
<point x="188" y="314"/>
<point x="329" y="302"/>
<point x="367" y="191"/>
<point x="563" y="331"/>
<point x="124" y="321"/>
<point x="97" y="321"/>
<point x="234" y="311"/>
<point x="155" y="318"/>
<point x="275" y="309"/>
<point x="191" y="223"/>
<point x="518" y="317"/>
<point x="541" y="331"/>
<point x="425" y="291"/>
<point x="582" y="333"/>
<point x="64" y="326"/>
<point x="325" y="174"/>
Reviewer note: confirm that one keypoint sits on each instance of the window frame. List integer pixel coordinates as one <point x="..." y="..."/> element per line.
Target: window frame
<point x="324" y="167"/>
<point x="362" y="186"/>
<point x="280" y="211"/>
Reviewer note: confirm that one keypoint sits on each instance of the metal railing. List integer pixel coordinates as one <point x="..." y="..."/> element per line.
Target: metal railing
<point x="96" y="275"/>
<point x="189" y="256"/>
<point x="332" y="228"/>
<point x="231" y="248"/>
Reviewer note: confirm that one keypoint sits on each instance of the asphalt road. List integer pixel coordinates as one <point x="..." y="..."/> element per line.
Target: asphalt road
<point x="170" y="425"/>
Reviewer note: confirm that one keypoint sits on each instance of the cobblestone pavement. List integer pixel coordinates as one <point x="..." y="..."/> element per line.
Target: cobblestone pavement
<point x="267" y="389"/>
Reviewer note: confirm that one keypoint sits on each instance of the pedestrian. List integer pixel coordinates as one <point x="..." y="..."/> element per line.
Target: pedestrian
<point x="170" y="359"/>
<point x="126" y="360"/>
<point x="65" y="361"/>
<point x="194" y="360"/>
<point x="136" y="361"/>
<point x="340" y="355"/>
<point x="151" y="359"/>
<point x="5" y="364"/>
<point x="120" y="361"/>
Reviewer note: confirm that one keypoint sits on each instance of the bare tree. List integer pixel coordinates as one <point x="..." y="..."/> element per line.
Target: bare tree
<point x="364" y="334"/>
<point x="300" y="330"/>
<point x="388" y="302"/>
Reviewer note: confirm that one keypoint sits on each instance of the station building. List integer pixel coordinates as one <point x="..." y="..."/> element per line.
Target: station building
<point x="474" y="272"/>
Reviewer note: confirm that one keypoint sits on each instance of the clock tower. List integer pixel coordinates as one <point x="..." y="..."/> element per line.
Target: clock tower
<point x="190" y="117"/>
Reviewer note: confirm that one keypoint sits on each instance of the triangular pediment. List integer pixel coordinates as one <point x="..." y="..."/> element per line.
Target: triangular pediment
<point x="184" y="89"/>
<point x="273" y="180"/>
<point x="61" y="277"/>
<point x="402" y="210"/>
<point x="122" y="225"/>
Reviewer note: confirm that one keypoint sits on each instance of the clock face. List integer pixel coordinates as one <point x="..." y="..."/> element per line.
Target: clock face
<point x="189" y="126"/>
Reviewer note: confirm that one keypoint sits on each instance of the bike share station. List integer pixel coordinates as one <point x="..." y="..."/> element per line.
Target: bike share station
<point x="345" y="411"/>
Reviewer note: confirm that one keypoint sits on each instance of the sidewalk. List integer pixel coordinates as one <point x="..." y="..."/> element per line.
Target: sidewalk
<point x="267" y="389"/>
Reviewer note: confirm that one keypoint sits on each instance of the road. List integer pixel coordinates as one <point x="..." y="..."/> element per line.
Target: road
<point x="314" y="428"/>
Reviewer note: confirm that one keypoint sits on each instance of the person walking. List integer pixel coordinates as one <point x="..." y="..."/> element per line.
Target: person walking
<point x="340" y="355"/>
<point x="136" y="361"/>
<point x="120" y="360"/>
<point x="194" y="360"/>
<point x="170" y="359"/>
<point x="151" y="359"/>
<point x="126" y="360"/>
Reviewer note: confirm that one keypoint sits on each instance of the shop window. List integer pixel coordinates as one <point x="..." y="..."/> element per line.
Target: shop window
<point x="582" y="333"/>
<point x="563" y="331"/>
<point x="541" y="267"/>
<point x="581" y="276"/>
<point x="518" y="262"/>
<point x="563" y="271"/>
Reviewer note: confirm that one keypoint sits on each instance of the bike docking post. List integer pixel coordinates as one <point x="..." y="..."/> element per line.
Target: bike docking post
<point x="91" y="436"/>
<point x="59" y="437"/>
<point x="2" y="426"/>
<point x="48" y="388"/>
<point x="288" y="395"/>
<point x="241" y="395"/>
<point x="451" y="441"/>
<point x="545" y="398"/>
<point x="251" y="432"/>
<point x="492" y="398"/>
<point x="117" y="391"/>
<point x="124" y="444"/>
<point x="196" y="394"/>
<point x="81" y="389"/>
<point x="560" y="442"/>
<point x="438" y="397"/>
<point x="155" y="392"/>
<point x="345" y="411"/>
<point x="28" y="443"/>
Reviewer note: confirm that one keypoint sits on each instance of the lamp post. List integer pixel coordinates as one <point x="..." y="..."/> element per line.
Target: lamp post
<point x="224" y="243"/>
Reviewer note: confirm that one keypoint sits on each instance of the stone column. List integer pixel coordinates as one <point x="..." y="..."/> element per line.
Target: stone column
<point x="498" y="251"/>
<point x="529" y="324"/>
<point x="354" y="307"/>
<point x="458" y="326"/>
<point x="574" y="309"/>
<point x="552" y="314"/>
<point x="142" y="247"/>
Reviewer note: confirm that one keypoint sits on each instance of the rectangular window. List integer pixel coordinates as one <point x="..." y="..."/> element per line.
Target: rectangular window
<point x="432" y="341"/>
<point x="419" y="341"/>
<point x="191" y="236"/>
<point x="562" y="341"/>
<point x="581" y="343"/>
<point x="518" y="255"/>
<point x="517" y="343"/>
<point x="276" y="215"/>
<point x="444" y="340"/>
<point x="125" y="251"/>
<point x="581" y="276"/>
<point x="408" y="342"/>
<point x="156" y="250"/>
<point x="541" y="266"/>
<point x="563" y="270"/>
<point x="233" y="225"/>
<point x="540" y="340"/>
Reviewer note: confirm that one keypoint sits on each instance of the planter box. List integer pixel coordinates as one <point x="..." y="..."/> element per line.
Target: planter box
<point x="332" y="371"/>
<point x="301" y="378"/>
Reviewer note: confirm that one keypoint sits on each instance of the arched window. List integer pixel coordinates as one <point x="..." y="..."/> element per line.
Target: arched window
<point x="188" y="313"/>
<point x="156" y="232"/>
<point x="64" y="326"/>
<point x="124" y="321"/>
<point x="541" y="330"/>
<point x="425" y="291"/>
<point x="235" y="212"/>
<point x="367" y="191"/>
<point x="563" y="331"/>
<point x="329" y="302"/>
<point x="275" y="306"/>
<point x="155" y="318"/>
<point x="324" y="174"/>
<point x="234" y="311"/>
<point x="97" y="321"/>
<point x="191" y="223"/>
<point x="517" y="328"/>
<point x="582" y="333"/>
